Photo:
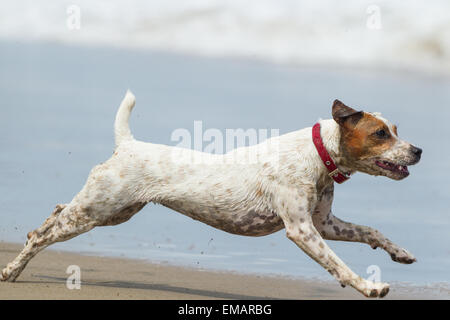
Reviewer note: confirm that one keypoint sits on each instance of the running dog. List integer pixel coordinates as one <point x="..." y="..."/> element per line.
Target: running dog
<point x="291" y="188"/>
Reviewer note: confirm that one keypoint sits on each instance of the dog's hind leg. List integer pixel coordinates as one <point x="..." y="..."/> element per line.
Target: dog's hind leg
<point x="66" y="222"/>
<point x="48" y="222"/>
<point x="103" y="201"/>
<point x="106" y="199"/>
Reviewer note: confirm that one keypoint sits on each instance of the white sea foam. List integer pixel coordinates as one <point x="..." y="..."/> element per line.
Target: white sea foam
<point x="414" y="34"/>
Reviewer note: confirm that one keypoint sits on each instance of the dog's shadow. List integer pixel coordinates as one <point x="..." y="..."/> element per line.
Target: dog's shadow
<point x="208" y="294"/>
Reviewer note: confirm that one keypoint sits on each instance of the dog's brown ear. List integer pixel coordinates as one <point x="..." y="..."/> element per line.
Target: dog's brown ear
<point x="343" y="114"/>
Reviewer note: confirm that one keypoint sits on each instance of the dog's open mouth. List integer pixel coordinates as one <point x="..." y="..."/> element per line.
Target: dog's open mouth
<point x="395" y="168"/>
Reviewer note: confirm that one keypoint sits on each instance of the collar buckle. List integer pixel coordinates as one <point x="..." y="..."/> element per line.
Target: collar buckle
<point x="335" y="173"/>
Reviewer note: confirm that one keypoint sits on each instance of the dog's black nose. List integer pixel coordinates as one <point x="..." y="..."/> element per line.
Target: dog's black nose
<point x="417" y="151"/>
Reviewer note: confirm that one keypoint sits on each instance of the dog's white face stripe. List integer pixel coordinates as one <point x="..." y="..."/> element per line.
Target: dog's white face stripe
<point x="391" y="127"/>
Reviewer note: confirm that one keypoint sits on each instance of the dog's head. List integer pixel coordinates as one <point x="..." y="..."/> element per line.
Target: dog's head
<point x="370" y="144"/>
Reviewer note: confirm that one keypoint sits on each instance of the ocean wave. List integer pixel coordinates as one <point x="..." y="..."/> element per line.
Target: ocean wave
<point x="413" y="35"/>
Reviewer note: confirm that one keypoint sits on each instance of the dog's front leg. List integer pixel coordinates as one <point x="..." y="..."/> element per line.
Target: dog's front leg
<point x="295" y="209"/>
<point x="333" y="228"/>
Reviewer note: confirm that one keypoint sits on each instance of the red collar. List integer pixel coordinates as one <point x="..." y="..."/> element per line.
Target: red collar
<point x="333" y="170"/>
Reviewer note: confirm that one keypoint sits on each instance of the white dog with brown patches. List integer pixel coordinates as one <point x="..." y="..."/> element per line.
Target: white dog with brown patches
<point x="291" y="188"/>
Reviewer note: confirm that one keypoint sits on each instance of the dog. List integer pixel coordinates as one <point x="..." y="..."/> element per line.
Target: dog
<point x="291" y="188"/>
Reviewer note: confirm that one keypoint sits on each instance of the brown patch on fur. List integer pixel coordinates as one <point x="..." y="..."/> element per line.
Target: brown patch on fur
<point x="336" y="230"/>
<point x="359" y="141"/>
<point x="123" y="215"/>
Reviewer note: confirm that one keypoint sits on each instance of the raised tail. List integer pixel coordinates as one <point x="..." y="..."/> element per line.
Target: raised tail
<point x="121" y="129"/>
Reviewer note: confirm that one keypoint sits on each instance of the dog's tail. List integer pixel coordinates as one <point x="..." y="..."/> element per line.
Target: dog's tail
<point x="121" y="129"/>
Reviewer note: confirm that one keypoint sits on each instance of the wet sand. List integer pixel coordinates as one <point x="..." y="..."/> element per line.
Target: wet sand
<point x="113" y="278"/>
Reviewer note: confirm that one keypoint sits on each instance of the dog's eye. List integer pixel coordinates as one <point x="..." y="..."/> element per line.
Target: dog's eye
<point x="382" y="133"/>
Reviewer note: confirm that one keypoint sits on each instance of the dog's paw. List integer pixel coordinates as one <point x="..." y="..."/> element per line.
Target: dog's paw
<point x="3" y="275"/>
<point x="376" y="290"/>
<point x="7" y="276"/>
<point x="402" y="256"/>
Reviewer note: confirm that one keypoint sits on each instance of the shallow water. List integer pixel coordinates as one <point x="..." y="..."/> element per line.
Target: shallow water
<point x="57" y="109"/>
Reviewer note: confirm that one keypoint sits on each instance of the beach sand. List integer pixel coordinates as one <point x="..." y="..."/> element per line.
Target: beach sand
<point x="113" y="278"/>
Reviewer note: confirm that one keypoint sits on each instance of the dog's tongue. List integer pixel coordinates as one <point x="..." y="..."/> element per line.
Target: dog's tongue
<point x="393" y="167"/>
